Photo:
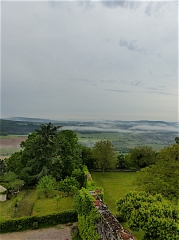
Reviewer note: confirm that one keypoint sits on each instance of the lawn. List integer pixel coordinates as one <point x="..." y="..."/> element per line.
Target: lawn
<point x="116" y="185"/>
<point x="50" y="205"/>
<point x="28" y="204"/>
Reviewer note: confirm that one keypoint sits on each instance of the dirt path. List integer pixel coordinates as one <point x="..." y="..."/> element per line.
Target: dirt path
<point x="59" y="232"/>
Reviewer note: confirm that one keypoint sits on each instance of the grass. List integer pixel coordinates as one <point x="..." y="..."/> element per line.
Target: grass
<point x="116" y="185"/>
<point x="29" y="205"/>
<point x="7" y="208"/>
<point x="49" y="205"/>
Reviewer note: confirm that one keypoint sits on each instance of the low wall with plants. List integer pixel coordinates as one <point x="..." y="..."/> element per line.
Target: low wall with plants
<point x="34" y="222"/>
<point x="88" y="215"/>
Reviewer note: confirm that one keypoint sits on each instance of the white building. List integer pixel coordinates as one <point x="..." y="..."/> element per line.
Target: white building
<point x="3" y="196"/>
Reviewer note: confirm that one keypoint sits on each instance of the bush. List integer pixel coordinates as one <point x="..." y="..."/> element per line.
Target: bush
<point x="24" y="223"/>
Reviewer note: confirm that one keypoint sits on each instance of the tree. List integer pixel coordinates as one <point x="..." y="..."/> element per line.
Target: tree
<point x="46" y="186"/>
<point x="142" y="156"/>
<point x="123" y="161"/>
<point x="78" y="174"/>
<point x="38" y="156"/>
<point x="155" y="216"/>
<point x="69" y="184"/>
<point x="11" y="181"/>
<point x="104" y="155"/>
<point x="87" y="158"/>
<point x="162" y="177"/>
<point x="69" y="151"/>
<point x="177" y="140"/>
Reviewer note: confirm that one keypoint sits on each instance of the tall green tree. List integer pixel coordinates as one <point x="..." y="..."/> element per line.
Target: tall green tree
<point x="38" y="157"/>
<point x="87" y="157"/>
<point x="69" y="151"/>
<point x="104" y="155"/>
<point x="142" y="156"/>
<point x="155" y="216"/>
<point x="162" y="177"/>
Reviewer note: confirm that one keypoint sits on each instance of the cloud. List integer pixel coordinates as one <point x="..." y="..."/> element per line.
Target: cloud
<point x="122" y="4"/>
<point x="155" y="8"/>
<point x="130" y="45"/>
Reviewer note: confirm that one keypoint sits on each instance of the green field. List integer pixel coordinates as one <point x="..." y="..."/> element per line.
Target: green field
<point x="116" y="185"/>
<point x="123" y="142"/>
<point x="29" y="205"/>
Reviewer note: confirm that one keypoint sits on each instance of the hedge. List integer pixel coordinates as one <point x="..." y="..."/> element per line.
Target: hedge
<point x="34" y="222"/>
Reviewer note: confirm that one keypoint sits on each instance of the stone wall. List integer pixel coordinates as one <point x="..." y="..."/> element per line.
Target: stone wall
<point x="109" y="227"/>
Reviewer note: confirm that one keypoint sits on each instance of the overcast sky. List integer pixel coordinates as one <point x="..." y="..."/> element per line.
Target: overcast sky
<point x="115" y="60"/>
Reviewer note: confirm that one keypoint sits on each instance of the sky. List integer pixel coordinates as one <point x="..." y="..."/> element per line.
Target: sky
<point x="89" y="60"/>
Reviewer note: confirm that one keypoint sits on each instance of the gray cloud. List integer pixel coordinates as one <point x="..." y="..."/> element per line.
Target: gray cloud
<point x="124" y="4"/>
<point x="64" y="59"/>
<point x="130" y="45"/>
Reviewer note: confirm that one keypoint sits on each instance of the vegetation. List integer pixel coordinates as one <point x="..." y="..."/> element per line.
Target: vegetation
<point x="34" y="222"/>
<point x="142" y="156"/>
<point x="49" y="156"/>
<point x="88" y="215"/>
<point x="46" y="186"/>
<point x="162" y="177"/>
<point x="69" y="185"/>
<point x="46" y="152"/>
<point x="115" y="185"/>
<point x="104" y="155"/>
<point x="11" y="181"/>
<point x="156" y="217"/>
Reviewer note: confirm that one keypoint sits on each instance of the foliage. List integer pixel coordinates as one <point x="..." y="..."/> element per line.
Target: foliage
<point x="153" y="214"/>
<point x="46" y="152"/>
<point x="88" y="215"/>
<point x="69" y="151"/>
<point x="163" y="177"/>
<point x="46" y="186"/>
<point x="78" y="174"/>
<point x="11" y="181"/>
<point x="24" y="223"/>
<point x="69" y="184"/>
<point x="123" y="161"/>
<point x="87" y="157"/>
<point x="104" y="155"/>
<point x="142" y="156"/>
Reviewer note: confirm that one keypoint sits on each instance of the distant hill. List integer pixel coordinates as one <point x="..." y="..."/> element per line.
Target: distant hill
<point x="24" y="126"/>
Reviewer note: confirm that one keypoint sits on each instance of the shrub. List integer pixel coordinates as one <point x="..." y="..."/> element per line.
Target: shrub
<point x="24" y="223"/>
